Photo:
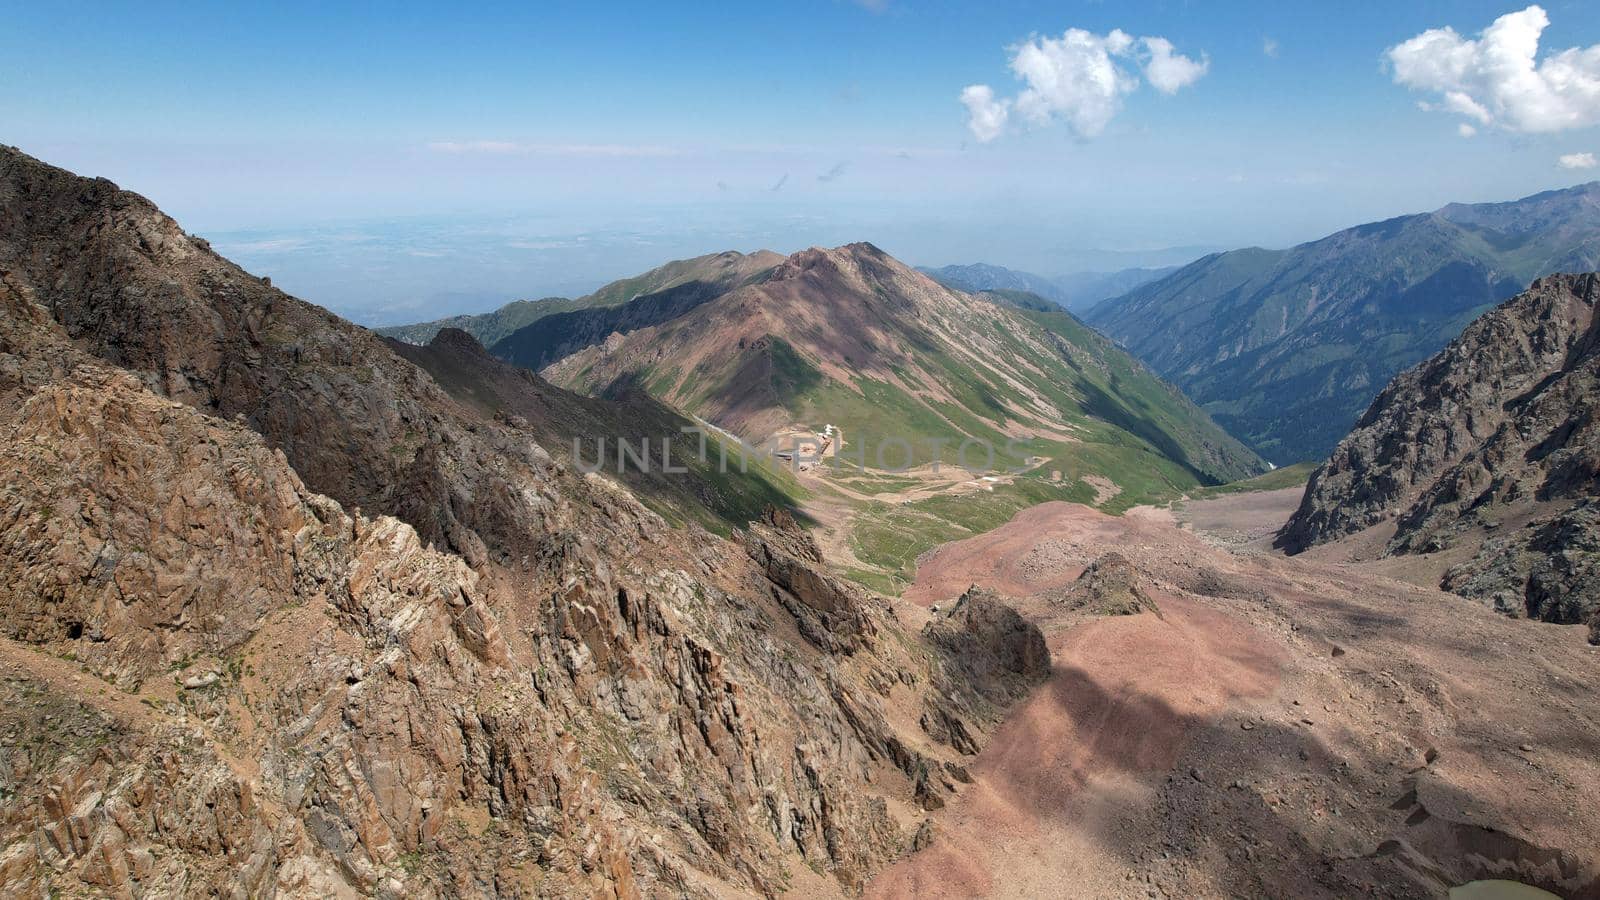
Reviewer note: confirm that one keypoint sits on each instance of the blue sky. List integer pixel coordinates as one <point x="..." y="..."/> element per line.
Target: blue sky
<point x="391" y="161"/>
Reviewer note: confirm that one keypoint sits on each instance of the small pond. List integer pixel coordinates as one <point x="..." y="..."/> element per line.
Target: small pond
<point x="1495" y="889"/>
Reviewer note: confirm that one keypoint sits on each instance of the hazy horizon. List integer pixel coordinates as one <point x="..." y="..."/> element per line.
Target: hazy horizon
<point x="401" y="271"/>
<point x="412" y="164"/>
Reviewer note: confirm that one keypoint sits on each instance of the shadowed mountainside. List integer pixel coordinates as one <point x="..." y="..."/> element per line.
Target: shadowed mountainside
<point x="702" y="277"/>
<point x="1285" y="348"/>
<point x="485" y="327"/>
<point x="698" y="489"/>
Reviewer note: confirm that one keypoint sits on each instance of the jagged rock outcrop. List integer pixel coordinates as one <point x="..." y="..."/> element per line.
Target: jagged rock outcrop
<point x="280" y="616"/>
<point x="829" y="610"/>
<point x="1109" y="586"/>
<point x="990" y="656"/>
<point x="1495" y="439"/>
<point x="1004" y="653"/>
<point x="1548" y="570"/>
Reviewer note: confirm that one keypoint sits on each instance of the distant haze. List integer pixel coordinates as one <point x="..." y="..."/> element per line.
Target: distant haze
<point x="527" y="149"/>
<point x="409" y="270"/>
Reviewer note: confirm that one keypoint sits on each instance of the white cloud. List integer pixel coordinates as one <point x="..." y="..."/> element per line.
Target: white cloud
<point x="1269" y="46"/>
<point x="1497" y="80"/>
<point x="985" y="116"/>
<point x="1079" y="78"/>
<point x="1169" y="72"/>
<point x="473" y="146"/>
<point x="1466" y="130"/>
<point x="1578" y="161"/>
<point x="1074" y="78"/>
<point x="511" y="147"/>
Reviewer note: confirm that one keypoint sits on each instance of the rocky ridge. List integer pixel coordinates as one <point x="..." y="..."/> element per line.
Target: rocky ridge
<point x="1492" y="443"/>
<point x="1110" y="586"/>
<point x="282" y="616"/>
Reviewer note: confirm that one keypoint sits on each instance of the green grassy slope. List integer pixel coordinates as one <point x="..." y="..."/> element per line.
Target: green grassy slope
<point x="1086" y="383"/>
<point x="725" y="269"/>
<point x="1278" y="479"/>
<point x="930" y="366"/>
<point x="888" y="537"/>
<point x="486" y="327"/>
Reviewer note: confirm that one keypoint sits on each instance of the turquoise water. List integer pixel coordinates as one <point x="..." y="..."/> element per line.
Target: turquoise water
<point x="1495" y="889"/>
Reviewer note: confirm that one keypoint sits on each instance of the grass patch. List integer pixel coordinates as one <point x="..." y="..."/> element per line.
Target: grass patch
<point x="888" y="538"/>
<point x="1277" y="479"/>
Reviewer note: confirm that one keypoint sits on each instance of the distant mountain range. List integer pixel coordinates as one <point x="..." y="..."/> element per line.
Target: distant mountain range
<point x="1285" y="348"/>
<point x="486" y="327"/>
<point x="985" y="277"/>
<point x="1077" y="291"/>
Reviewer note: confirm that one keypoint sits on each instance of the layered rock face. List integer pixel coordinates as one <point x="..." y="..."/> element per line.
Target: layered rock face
<point x="830" y="611"/>
<point x="1495" y="440"/>
<point x="279" y="616"/>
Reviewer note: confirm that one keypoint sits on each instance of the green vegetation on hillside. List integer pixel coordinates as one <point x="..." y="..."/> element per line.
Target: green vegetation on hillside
<point x="889" y="537"/>
<point x="1286" y="348"/>
<point x="1061" y="372"/>
<point x="487" y="327"/>
<point x="1278" y="479"/>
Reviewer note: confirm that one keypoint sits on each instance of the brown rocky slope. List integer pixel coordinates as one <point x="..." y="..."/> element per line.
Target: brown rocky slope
<point x="1490" y="449"/>
<point x="283" y="617"/>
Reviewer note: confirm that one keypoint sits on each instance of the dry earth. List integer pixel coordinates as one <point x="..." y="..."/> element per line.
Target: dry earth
<point x="1284" y="727"/>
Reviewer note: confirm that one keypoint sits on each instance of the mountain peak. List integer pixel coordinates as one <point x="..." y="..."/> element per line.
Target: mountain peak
<point x="851" y="336"/>
<point x="1561" y="209"/>
<point x="856" y="250"/>
<point x="856" y="264"/>
<point x="458" y="340"/>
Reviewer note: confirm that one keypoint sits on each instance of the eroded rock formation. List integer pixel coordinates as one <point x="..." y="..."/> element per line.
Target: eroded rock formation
<point x="281" y="616"/>
<point x="1495" y="441"/>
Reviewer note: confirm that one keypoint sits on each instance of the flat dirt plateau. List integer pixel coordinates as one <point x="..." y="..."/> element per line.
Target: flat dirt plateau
<point x="1303" y="727"/>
